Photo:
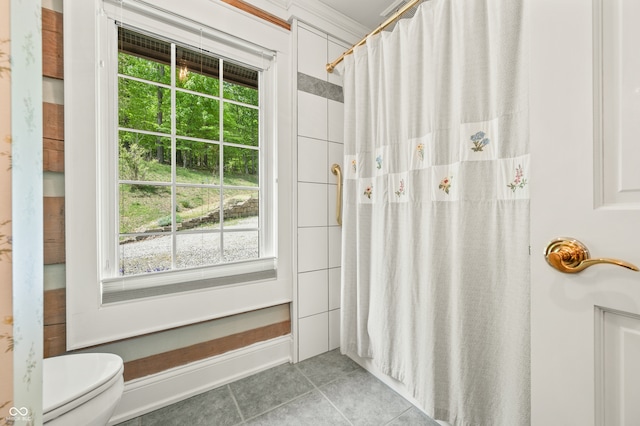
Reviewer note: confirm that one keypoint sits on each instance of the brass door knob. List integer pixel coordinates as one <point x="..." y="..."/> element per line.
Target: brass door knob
<point x="569" y="255"/>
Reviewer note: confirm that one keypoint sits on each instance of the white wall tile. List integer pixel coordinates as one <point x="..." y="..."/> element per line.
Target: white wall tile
<point x="335" y="50"/>
<point x="313" y="293"/>
<point x="335" y="288"/>
<point x="312" y="116"/>
<point x="312" y="160"/>
<point x="335" y="120"/>
<point x="312" y="249"/>
<point x="334" y="329"/>
<point x="313" y="335"/>
<point x="335" y="246"/>
<point x="335" y="155"/>
<point x="312" y="204"/>
<point x="312" y="54"/>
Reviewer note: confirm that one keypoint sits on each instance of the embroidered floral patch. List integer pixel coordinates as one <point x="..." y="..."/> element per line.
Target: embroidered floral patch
<point x="479" y="142"/>
<point x="420" y="151"/>
<point x="353" y="166"/>
<point x="445" y="184"/>
<point x="519" y="181"/>
<point x="368" y="191"/>
<point x="379" y="162"/>
<point x="400" y="191"/>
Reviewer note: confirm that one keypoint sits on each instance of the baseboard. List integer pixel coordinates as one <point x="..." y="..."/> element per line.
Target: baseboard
<point x="150" y="393"/>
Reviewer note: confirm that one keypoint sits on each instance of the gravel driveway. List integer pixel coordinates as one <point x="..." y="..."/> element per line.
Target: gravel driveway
<point x="192" y="250"/>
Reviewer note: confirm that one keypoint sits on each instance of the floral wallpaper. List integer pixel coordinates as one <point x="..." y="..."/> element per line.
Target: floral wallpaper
<point x="26" y="218"/>
<point x="6" y="310"/>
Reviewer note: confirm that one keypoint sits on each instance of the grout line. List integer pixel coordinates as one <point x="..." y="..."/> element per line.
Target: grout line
<point x="331" y="402"/>
<point x="323" y="394"/>
<point x="399" y="415"/>
<point x="279" y="405"/>
<point x="236" y="402"/>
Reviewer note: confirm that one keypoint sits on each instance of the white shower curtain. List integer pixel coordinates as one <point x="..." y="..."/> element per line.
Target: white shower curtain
<point x="436" y="209"/>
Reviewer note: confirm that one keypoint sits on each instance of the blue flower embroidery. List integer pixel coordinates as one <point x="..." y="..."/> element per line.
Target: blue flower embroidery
<point x="379" y="162"/>
<point x="479" y="141"/>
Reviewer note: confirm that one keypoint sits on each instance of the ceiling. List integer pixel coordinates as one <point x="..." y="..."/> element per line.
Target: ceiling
<point x="366" y="12"/>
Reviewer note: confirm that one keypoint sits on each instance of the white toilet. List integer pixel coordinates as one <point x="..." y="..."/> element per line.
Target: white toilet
<point x="81" y="389"/>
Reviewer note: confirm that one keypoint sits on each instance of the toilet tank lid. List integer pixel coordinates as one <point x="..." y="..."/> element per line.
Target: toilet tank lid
<point x="69" y="377"/>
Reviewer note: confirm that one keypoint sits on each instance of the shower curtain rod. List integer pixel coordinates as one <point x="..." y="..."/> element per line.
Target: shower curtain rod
<point x="382" y="26"/>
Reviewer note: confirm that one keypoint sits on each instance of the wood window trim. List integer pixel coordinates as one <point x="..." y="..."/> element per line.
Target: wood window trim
<point x="246" y="7"/>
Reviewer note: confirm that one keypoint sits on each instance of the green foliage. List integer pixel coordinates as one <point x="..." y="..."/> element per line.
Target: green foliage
<point x="166" y="220"/>
<point x="143" y="68"/>
<point x="133" y="163"/>
<point x="146" y="105"/>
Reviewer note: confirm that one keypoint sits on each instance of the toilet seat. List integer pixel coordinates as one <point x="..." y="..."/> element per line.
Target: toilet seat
<point x="72" y="380"/>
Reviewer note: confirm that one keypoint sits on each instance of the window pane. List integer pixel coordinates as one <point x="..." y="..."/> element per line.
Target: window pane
<point x="241" y="124"/>
<point x="194" y="250"/>
<point x="145" y="208"/>
<point x="198" y="208"/>
<point x="143" y="68"/>
<point x="197" y="72"/>
<point x="241" y="166"/>
<point x="241" y="208"/>
<point x="197" y="116"/>
<point x="240" y="246"/>
<point x="142" y="56"/>
<point x="144" y="157"/>
<point x="151" y="254"/>
<point x="197" y="162"/>
<point x="240" y="84"/>
<point x="143" y="106"/>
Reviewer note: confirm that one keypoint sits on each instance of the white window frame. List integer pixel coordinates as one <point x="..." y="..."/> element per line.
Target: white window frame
<point x="90" y="84"/>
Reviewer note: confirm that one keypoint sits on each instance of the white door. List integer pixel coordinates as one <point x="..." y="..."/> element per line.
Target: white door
<point x="585" y="144"/>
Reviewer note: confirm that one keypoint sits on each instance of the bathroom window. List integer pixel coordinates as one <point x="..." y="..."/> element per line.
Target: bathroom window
<point x="177" y="137"/>
<point x="189" y="158"/>
<point x="189" y="141"/>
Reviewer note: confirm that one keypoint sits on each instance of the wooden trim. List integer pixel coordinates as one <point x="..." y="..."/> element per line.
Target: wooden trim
<point x="52" y="44"/>
<point x="55" y="340"/>
<point x="52" y="155"/>
<point x="52" y="137"/>
<point x="53" y="121"/>
<point x="246" y="7"/>
<point x="55" y="306"/>
<point x="54" y="250"/>
<point x="164" y="361"/>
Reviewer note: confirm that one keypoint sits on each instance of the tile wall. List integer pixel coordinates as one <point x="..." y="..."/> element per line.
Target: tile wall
<point x="320" y="144"/>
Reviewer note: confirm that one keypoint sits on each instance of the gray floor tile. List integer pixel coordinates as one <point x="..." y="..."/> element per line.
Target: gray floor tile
<point x="268" y="389"/>
<point x="414" y="417"/>
<point x="364" y="400"/>
<point x="132" y="422"/>
<point x="327" y="367"/>
<point x="312" y="409"/>
<point x="215" y="407"/>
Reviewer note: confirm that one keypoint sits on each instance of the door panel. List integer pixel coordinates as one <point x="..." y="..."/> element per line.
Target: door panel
<point x="620" y="368"/>
<point x="616" y="27"/>
<point x="577" y="192"/>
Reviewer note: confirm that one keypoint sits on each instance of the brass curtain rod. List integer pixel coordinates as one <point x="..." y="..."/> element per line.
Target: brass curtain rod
<point x="385" y="24"/>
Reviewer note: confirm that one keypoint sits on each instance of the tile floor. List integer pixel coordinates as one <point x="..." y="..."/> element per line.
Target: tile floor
<point x="329" y="389"/>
